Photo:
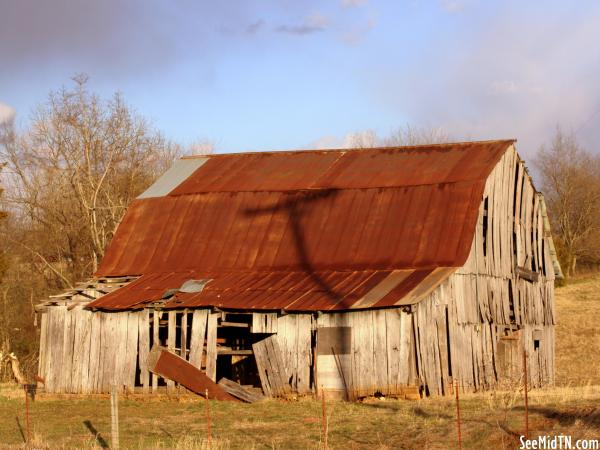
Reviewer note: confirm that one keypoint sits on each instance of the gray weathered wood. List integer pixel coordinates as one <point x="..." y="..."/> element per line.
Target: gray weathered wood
<point x="239" y="391"/>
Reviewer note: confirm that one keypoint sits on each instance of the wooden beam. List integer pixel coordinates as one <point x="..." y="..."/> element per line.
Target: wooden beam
<point x="240" y="391"/>
<point x="234" y="324"/>
<point x="234" y="352"/>
<point x="527" y="274"/>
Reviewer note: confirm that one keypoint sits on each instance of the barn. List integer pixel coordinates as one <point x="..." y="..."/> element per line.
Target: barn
<point x="354" y="272"/>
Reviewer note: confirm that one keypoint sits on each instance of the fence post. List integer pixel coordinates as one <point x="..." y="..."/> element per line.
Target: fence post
<point x="114" y="417"/>
<point x="324" y="420"/>
<point x="26" y="389"/>
<point x="208" y="424"/>
<point x="525" y="376"/>
<point x="458" y="417"/>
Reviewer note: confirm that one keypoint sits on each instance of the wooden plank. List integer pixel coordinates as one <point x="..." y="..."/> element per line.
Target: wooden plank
<point x="184" y="334"/>
<point x="155" y="341"/>
<point x="54" y="346"/>
<point x="132" y="349"/>
<point x="171" y="339"/>
<point x="211" y="347"/>
<point x="43" y="345"/>
<point x="95" y="348"/>
<point x="304" y="353"/>
<point x="406" y="343"/>
<point x="380" y="362"/>
<point x="176" y="369"/>
<point x="270" y="366"/>
<point x="239" y="391"/>
<point x="234" y="325"/>
<point x="198" y="333"/>
<point x="236" y="352"/>
<point x="527" y="274"/>
<point x="264" y="323"/>
<point x="287" y="337"/>
<point x="118" y="374"/>
<point x="81" y="349"/>
<point x="144" y="347"/>
<point x="106" y="366"/>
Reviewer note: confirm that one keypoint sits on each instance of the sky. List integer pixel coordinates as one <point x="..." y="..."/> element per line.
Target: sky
<point x="289" y="74"/>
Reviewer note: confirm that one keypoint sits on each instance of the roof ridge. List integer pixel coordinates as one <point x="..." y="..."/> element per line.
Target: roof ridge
<point x="353" y="149"/>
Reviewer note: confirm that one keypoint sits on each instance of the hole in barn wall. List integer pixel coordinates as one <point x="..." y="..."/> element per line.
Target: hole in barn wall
<point x="239" y="368"/>
<point x="485" y="225"/>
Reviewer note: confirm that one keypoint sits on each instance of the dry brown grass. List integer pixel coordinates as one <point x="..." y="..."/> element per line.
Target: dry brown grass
<point x="578" y="333"/>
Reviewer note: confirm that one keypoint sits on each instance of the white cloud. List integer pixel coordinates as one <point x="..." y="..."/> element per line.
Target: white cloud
<point x="7" y="112"/>
<point x="512" y="77"/>
<point x="353" y="3"/>
<point x="453" y="6"/>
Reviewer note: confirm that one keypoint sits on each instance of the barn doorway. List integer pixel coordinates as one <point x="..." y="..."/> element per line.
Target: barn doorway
<point x="235" y="357"/>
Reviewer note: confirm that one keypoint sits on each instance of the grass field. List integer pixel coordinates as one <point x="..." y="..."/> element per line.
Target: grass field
<point x="488" y="420"/>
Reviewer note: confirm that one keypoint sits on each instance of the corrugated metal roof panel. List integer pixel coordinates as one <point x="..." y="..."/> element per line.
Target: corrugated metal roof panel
<point x="305" y="222"/>
<point x="177" y="173"/>
<point x="292" y="291"/>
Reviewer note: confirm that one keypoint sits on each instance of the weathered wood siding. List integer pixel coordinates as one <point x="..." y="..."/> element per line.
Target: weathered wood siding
<point x="380" y="357"/>
<point x="486" y="298"/>
<point x="86" y="352"/>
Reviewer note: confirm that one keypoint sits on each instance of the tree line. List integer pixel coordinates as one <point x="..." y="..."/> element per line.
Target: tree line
<point x="70" y="175"/>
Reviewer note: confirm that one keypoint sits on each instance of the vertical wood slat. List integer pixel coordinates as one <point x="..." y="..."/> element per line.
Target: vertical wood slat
<point x="304" y="353"/>
<point x="130" y="365"/>
<point x="211" y="347"/>
<point x="184" y="334"/>
<point x="269" y="362"/>
<point x="118" y="375"/>
<point x="264" y="322"/>
<point x="81" y="349"/>
<point x="95" y="348"/>
<point x="66" y="369"/>
<point x="171" y="339"/>
<point x="155" y="341"/>
<point x="41" y="371"/>
<point x="197" y="338"/>
<point x="144" y="347"/>
<point x="380" y="354"/>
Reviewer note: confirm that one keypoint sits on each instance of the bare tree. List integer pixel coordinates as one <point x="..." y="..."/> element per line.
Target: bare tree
<point x="75" y="170"/>
<point x="570" y="179"/>
<point x="361" y="139"/>
<point x="200" y="147"/>
<point x="408" y="135"/>
<point x="3" y="259"/>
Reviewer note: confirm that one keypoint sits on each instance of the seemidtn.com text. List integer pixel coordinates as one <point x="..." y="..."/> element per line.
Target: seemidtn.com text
<point x="559" y="442"/>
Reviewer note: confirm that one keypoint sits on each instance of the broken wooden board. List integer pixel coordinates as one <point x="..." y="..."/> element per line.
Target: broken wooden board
<point x="239" y="391"/>
<point x="271" y="369"/>
<point x="168" y="365"/>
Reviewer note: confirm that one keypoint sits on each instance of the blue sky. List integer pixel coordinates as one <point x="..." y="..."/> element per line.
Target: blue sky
<point x="261" y="75"/>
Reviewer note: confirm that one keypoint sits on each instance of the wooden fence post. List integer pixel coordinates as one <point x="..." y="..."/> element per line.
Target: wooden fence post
<point x="26" y="389"/>
<point x="324" y="420"/>
<point x="114" y="417"/>
<point x="458" y="417"/>
<point x="525" y="376"/>
<point x="208" y="424"/>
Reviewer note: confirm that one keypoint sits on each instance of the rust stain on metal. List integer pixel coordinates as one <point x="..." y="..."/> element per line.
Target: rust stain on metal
<point x="168" y="365"/>
<point x="312" y="230"/>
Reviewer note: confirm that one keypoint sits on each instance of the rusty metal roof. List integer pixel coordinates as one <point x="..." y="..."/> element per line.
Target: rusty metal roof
<point x="302" y="231"/>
